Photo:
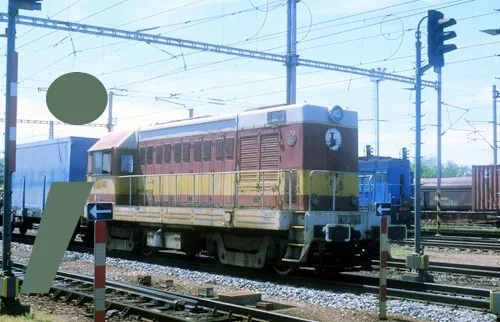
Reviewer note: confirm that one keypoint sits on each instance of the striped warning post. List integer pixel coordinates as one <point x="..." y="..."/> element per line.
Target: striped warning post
<point x="438" y="204"/>
<point x="13" y="113"/>
<point x="99" y="270"/>
<point x="383" y="268"/>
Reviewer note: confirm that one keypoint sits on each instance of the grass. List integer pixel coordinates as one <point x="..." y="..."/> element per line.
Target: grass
<point x="400" y="252"/>
<point x="30" y="317"/>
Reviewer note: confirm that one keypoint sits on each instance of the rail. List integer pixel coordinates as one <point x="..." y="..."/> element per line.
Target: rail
<point x="200" y="178"/>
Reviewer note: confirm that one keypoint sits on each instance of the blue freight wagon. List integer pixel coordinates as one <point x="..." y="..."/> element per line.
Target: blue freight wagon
<point x="386" y="180"/>
<point x="38" y="164"/>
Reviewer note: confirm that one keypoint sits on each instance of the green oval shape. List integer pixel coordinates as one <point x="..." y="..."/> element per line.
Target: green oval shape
<point x="77" y="98"/>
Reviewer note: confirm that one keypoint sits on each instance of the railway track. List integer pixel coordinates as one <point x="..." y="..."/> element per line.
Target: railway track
<point x="472" y="298"/>
<point x="180" y="260"/>
<point x="154" y="304"/>
<point x="455" y="242"/>
<point x="466" y="297"/>
<point x="452" y="268"/>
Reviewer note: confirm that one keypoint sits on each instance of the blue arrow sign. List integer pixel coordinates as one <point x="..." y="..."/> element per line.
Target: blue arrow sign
<point x="100" y="211"/>
<point x="383" y="209"/>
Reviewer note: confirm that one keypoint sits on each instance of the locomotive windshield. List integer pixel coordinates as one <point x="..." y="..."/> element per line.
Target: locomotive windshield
<point x="101" y="163"/>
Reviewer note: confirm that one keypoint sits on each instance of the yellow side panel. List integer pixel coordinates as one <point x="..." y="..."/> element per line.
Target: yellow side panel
<point x="322" y="183"/>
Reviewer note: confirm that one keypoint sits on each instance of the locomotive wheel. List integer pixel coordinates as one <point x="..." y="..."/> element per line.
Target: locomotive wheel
<point x="146" y="251"/>
<point x="283" y="269"/>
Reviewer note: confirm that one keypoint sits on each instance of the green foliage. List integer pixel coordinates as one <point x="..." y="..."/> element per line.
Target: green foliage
<point x="448" y="170"/>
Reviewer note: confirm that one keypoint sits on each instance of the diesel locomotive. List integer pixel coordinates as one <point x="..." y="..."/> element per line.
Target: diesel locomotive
<point x="274" y="186"/>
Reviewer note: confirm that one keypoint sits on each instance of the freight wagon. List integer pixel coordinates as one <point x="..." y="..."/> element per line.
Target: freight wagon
<point x="38" y="164"/>
<point x="455" y="194"/>
<point x="463" y="199"/>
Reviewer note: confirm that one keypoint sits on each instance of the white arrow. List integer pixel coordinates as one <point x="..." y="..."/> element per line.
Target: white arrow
<point x="380" y="209"/>
<point x="94" y="212"/>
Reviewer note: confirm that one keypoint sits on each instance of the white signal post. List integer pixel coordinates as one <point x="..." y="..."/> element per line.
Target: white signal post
<point x="99" y="213"/>
<point x="100" y="271"/>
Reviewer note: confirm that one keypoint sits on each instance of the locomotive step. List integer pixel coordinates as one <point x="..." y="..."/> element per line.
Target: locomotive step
<point x="298" y="227"/>
<point x="290" y="260"/>
<point x="295" y="244"/>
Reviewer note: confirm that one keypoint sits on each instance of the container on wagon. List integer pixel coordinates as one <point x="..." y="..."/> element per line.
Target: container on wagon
<point x="38" y="164"/>
<point x="485" y="188"/>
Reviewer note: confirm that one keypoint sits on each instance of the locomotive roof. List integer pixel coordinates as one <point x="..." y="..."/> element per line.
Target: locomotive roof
<point x="120" y="139"/>
<point x="258" y="117"/>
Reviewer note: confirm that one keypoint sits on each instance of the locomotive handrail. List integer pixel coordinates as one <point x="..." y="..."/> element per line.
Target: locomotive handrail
<point x="212" y="184"/>
<point x="207" y="173"/>
<point x="370" y="185"/>
<point x="373" y="192"/>
<point x="334" y="185"/>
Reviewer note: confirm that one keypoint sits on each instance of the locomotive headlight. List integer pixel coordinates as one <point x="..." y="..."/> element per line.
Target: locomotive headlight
<point x="315" y="199"/>
<point x="336" y="113"/>
<point x="354" y="200"/>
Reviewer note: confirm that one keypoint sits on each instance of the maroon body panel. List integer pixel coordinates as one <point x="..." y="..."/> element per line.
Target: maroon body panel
<point x="485" y="187"/>
<point x="298" y="146"/>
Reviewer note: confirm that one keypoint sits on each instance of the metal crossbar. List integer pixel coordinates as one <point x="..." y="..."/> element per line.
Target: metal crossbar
<point x="169" y="41"/>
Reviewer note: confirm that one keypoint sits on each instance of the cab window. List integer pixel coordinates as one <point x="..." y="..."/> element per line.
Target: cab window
<point x="127" y="164"/>
<point x="101" y="163"/>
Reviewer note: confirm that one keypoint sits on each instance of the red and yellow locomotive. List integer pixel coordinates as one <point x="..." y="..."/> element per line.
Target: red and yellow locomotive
<point x="250" y="189"/>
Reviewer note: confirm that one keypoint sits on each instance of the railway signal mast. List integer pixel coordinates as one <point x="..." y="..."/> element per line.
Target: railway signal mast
<point x="10" y="303"/>
<point x="496" y="95"/>
<point x="436" y="36"/>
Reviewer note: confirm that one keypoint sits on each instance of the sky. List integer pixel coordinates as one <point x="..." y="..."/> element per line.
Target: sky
<point x="157" y="83"/>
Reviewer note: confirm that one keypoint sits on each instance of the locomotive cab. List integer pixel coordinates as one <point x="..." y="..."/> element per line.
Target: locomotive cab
<point x="111" y="157"/>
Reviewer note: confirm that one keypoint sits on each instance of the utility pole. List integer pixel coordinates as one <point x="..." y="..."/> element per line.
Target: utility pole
<point x="439" y="135"/>
<point x="291" y="58"/>
<point x="9" y="289"/>
<point x="51" y="130"/>
<point x="10" y="136"/>
<point x="435" y="52"/>
<point x="111" y="94"/>
<point x="376" y="110"/>
<point x="496" y="95"/>
<point x="110" y="111"/>
<point x="494" y="32"/>
<point x="418" y="116"/>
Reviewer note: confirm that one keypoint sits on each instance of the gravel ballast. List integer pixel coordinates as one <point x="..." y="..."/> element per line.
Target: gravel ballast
<point x="344" y="301"/>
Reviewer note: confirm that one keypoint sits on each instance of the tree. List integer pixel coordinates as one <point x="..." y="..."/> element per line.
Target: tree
<point x="448" y="170"/>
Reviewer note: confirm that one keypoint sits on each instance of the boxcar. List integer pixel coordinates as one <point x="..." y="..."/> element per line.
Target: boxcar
<point x="38" y="164"/>
<point x="455" y="194"/>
